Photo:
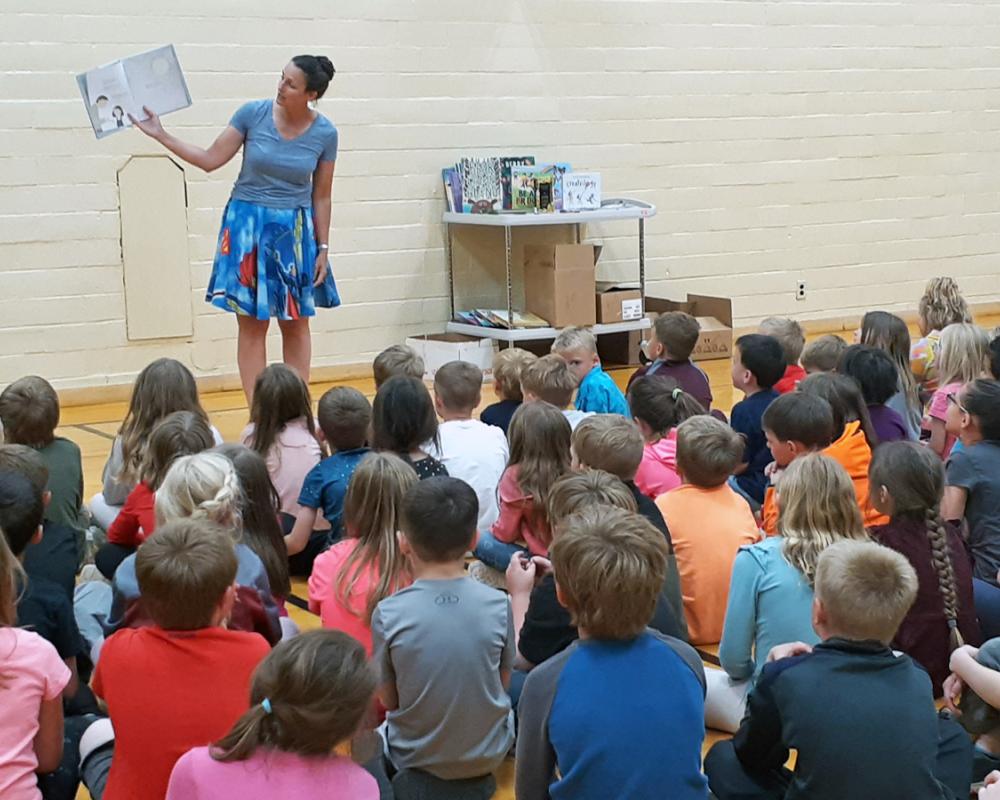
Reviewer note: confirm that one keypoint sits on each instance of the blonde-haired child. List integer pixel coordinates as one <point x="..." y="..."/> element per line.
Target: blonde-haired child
<point x="539" y="456"/>
<point x="597" y="391"/>
<point x="163" y="387"/>
<point x="771" y="590"/>
<point x="204" y="486"/>
<point x="941" y="305"/>
<point x="365" y="567"/>
<point x="964" y="356"/>
<point x="32" y="679"/>
<point x="306" y="697"/>
<point x="507" y="368"/>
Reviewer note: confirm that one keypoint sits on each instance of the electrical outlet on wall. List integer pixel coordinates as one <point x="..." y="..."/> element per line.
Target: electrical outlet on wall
<point x="800" y="290"/>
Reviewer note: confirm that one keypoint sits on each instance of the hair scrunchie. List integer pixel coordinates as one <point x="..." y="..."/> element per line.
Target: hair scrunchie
<point x="676" y="393"/>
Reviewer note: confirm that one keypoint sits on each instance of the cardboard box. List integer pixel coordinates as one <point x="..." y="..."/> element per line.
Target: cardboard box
<point x="559" y="283"/>
<point x="437" y="349"/>
<point x="618" y="303"/>
<point x="620" y="349"/>
<point x="714" y="314"/>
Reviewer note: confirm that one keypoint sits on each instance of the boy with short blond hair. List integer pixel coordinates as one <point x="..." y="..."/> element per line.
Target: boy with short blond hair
<point x="708" y="521"/>
<point x="549" y="379"/>
<point x="29" y="411"/>
<point x="609" y="565"/>
<point x="470" y="449"/>
<point x="397" y="359"/>
<point x="507" y="367"/>
<point x="823" y="354"/>
<point x="671" y="342"/>
<point x="792" y="338"/>
<point x="183" y="682"/>
<point x="849" y="700"/>
<point x="597" y="391"/>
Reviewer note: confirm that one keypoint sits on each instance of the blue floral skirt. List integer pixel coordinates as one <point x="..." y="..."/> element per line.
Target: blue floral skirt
<point x="264" y="264"/>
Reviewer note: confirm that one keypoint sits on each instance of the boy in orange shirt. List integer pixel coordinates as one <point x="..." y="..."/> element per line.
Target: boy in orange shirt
<point x="708" y="521"/>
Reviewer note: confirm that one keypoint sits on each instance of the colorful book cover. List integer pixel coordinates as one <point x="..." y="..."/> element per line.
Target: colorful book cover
<point x="557" y="170"/>
<point x="522" y="188"/>
<point x="545" y="192"/>
<point x="506" y="163"/>
<point x="455" y="182"/>
<point x="449" y="198"/>
<point x="481" y="185"/>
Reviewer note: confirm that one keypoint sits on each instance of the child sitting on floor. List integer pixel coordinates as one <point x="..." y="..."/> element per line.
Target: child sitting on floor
<point x="29" y="411"/>
<point x="822" y="354"/>
<point x="771" y="590"/>
<point x="404" y="423"/>
<point x="397" y="359"/>
<point x="444" y="724"/>
<point x="182" y="433"/>
<point x="758" y="363"/>
<point x="572" y="742"/>
<point x="367" y="565"/>
<point x="794" y="424"/>
<point x="670" y="345"/>
<point x="843" y="704"/>
<point x="596" y="390"/>
<point x="163" y="387"/>
<point x="890" y="334"/>
<point x="792" y="339"/>
<point x="307" y="696"/>
<point x="875" y="374"/>
<point x="34" y="677"/>
<point x="539" y="456"/>
<point x="907" y="482"/>
<point x="548" y="379"/>
<point x="203" y="486"/>
<point x="940" y="305"/>
<point x="613" y="444"/>
<point x="659" y="405"/>
<point x="708" y="521"/>
<point x="964" y="357"/>
<point x="184" y="681"/>
<point x="507" y="368"/>
<point x="470" y="450"/>
<point x="344" y="416"/>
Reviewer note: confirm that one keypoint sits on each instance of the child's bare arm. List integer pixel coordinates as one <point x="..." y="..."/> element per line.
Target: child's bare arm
<point x="48" y="742"/>
<point x="953" y="502"/>
<point x="296" y="541"/>
<point x="982" y="680"/>
<point x="389" y="697"/>
<point x="938" y="436"/>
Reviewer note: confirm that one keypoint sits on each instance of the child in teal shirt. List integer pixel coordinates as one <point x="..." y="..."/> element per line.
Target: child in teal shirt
<point x="597" y="392"/>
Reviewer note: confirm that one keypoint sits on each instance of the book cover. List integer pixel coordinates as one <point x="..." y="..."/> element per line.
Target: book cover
<point x="449" y="200"/>
<point x="481" y="185"/>
<point x="545" y="192"/>
<point x="506" y="163"/>
<point x="557" y="171"/>
<point x="522" y="188"/>
<point x="581" y="191"/>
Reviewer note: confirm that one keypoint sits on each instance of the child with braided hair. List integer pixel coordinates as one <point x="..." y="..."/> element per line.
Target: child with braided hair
<point x="204" y="486"/>
<point x="907" y="483"/>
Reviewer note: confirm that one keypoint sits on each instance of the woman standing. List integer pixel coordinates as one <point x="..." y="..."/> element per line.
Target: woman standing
<point x="272" y="256"/>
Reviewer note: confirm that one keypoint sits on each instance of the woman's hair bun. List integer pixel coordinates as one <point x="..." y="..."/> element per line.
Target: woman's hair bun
<point x="318" y="71"/>
<point x="326" y="65"/>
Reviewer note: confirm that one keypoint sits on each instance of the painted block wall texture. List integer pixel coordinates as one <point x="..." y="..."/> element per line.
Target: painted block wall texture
<point x="853" y="145"/>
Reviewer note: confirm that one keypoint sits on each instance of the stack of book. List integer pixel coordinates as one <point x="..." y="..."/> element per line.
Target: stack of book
<point x="497" y="318"/>
<point x="516" y="184"/>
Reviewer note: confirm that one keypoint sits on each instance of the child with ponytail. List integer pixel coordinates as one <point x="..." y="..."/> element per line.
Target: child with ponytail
<point x="907" y="483"/>
<point x="365" y="567"/>
<point x="204" y="486"/>
<point x="658" y="406"/>
<point x="308" y="696"/>
<point x="964" y="357"/>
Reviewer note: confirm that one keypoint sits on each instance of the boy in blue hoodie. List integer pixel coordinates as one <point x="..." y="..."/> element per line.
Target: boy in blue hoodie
<point x="597" y="392"/>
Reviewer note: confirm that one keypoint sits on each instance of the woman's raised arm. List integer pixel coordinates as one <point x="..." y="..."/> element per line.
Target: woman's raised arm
<point x="217" y="154"/>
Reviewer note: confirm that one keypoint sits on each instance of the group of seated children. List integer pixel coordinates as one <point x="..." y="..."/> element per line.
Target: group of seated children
<point x="838" y="539"/>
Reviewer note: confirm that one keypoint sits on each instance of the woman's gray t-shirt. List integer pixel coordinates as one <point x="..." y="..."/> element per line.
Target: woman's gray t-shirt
<point x="277" y="172"/>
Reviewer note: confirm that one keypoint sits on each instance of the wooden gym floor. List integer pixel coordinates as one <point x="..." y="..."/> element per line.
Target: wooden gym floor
<point x="93" y="428"/>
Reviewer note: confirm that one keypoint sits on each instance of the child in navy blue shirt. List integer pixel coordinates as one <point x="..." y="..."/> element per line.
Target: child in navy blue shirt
<point x="507" y="367"/>
<point x="619" y="713"/>
<point x="596" y="391"/>
<point x="344" y="416"/>
<point x="758" y="364"/>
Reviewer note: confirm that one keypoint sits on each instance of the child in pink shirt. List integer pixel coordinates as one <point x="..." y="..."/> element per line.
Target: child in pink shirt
<point x="964" y="356"/>
<point x="539" y="455"/>
<point x="658" y="406"/>
<point x="354" y="575"/>
<point x="308" y="695"/>
<point x="32" y="679"/>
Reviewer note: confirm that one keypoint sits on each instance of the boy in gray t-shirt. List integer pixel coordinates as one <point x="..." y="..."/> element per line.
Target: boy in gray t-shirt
<point x="445" y="645"/>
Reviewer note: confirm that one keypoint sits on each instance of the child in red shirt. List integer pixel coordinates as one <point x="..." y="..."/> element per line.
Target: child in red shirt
<point x="179" y="434"/>
<point x="793" y="339"/>
<point x="184" y="682"/>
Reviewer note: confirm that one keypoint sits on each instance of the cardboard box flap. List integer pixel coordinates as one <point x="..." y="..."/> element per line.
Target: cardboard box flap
<point x="721" y="308"/>
<point x="604" y="287"/>
<point x="561" y="257"/>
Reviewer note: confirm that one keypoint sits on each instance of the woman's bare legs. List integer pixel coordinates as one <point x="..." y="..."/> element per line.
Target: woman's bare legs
<point x="296" y="345"/>
<point x="251" y="351"/>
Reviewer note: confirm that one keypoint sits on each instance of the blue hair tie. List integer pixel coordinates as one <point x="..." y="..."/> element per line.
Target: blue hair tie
<point x="266" y="705"/>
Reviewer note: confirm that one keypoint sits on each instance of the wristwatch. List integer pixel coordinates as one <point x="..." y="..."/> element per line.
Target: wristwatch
<point x="323" y="246"/>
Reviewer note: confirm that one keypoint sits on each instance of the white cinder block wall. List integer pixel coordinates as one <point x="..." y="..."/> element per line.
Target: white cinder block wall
<point x="853" y="145"/>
